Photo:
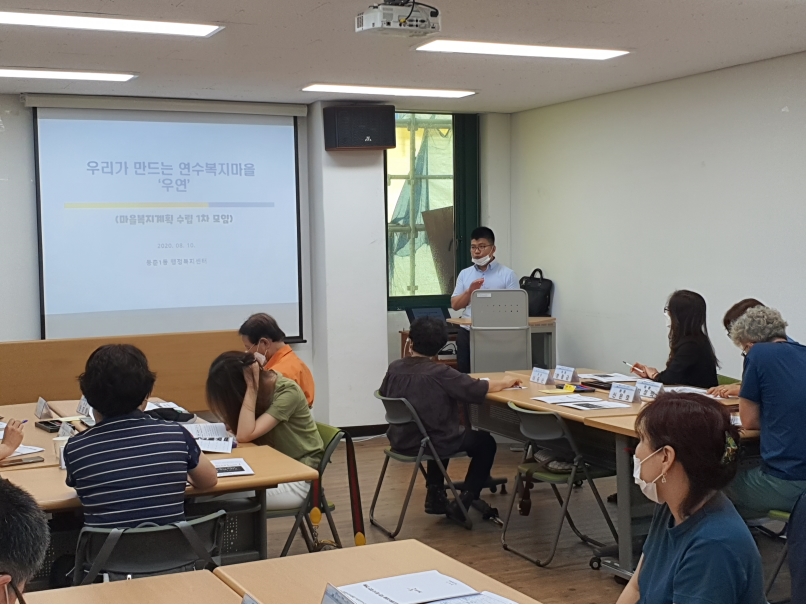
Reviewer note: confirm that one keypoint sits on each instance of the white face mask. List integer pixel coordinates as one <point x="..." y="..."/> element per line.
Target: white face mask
<point x="668" y="320"/>
<point x="261" y="358"/>
<point x="650" y="490"/>
<point x="480" y="262"/>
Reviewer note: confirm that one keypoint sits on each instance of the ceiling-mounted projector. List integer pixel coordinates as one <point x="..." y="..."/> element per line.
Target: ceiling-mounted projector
<point x="400" y="17"/>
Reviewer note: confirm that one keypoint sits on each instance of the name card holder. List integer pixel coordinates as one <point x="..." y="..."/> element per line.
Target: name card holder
<point x="541" y="376"/>
<point x="649" y="389"/>
<point x="566" y="374"/>
<point x="43" y="411"/>
<point x="66" y="430"/>
<point x="84" y="408"/>
<point x="626" y="393"/>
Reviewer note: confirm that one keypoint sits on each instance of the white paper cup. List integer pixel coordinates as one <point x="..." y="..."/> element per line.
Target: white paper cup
<point x="58" y="445"/>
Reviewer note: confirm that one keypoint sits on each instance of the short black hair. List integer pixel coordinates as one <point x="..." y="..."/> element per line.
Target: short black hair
<point x="261" y="325"/>
<point x="428" y="335"/>
<point x="24" y="533"/>
<point x="483" y="233"/>
<point x="116" y="379"/>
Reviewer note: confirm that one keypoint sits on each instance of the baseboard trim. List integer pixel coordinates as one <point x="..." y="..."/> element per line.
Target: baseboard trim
<point x="369" y="430"/>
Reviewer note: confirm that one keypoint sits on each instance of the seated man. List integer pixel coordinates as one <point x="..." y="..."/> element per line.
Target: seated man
<point x="435" y="390"/>
<point x="262" y="336"/>
<point x="130" y="468"/>
<point x="24" y="538"/>
<point x="771" y="401"/>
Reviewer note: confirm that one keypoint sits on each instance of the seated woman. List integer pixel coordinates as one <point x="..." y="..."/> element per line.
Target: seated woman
<point x="771" y="400"/>
<point x="731" y="315"/>
<point x="692" y="360"/>
<point x="264" y="407"/>
<point x="698" y="549"/>
<point x="12" y="438"/>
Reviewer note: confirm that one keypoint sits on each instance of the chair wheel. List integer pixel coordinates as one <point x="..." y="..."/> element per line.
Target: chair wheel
<point x="493" y="489"/>
<point x="577" y="483"/>
<point x="595" y="563"/>
<point x="620" y="581"/>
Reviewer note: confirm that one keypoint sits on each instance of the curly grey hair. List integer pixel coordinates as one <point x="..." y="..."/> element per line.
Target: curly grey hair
<point x="759" y="324"/>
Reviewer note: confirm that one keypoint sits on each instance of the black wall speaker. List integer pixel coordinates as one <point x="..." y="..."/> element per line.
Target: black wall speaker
<point x="359" y="127"/>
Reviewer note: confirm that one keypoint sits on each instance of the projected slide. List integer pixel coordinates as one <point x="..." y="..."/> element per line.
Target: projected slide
<point x="166" y="222"/>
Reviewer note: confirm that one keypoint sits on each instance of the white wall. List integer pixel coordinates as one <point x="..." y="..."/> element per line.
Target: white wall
<point x="495" y="176"/>
<point x="696" y="183"/>
<point x="19" y="247"/>
<point x="348" y="245"/>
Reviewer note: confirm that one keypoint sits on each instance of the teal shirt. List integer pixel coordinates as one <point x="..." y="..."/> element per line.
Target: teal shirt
<point x="709" y="558"/>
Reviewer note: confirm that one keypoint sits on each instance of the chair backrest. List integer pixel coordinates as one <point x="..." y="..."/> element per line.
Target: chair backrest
<point x="331" y="437"/>
<point x="723" y="380"/>
<point x="796" y="542"/>
<point x="543" y="427"/>
<point x="400" y="411"/>
<point x="145" y="551"/>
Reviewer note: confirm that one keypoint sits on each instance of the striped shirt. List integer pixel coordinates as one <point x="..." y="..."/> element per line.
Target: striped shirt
<point x="131" y="469"/>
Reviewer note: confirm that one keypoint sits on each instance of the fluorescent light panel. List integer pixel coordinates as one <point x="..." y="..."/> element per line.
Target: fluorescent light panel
<point x="49" y="74"/>
<point x="519" y="50"/>
<point x="384" y="90"/>
<point x="108" y="24"/>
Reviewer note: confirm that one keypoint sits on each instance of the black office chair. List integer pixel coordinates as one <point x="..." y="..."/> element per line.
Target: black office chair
<point x="399" y="411"/>
<point x="149" y="550"/>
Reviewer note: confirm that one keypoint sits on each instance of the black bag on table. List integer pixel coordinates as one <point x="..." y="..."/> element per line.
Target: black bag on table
<point x="539" y="290"/>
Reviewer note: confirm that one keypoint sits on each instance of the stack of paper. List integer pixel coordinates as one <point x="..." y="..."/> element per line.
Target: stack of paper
<point x="423" y="587"/>
<point x="211" y="437"/>
<point x="24" y="450"/>
<point x="571" y="398"/>
<point x="611" y="377"/>
<point x="232" y="467"/>
<point x="164" y="404"/>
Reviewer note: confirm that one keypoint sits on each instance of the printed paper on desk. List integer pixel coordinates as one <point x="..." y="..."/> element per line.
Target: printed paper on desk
<point x="566" y="374"/>
<point x="212" y="430"/>
<point x="697" y="390"/>
<point x="612" y="377"/>
<point x="597" y="405"/>
<point x="24" y="450"/>
<point x="232" y="467"/>
<point x="480" y="598"/>
<point x="217" y="445"/>
<point x="625" y="392"/>
<point x="334" y="595"/>
<point x="557" y="399"/>
<point x="541" y="376"/>
<point x="649" y="388"/>
<point x="43" y="411"/>
<point x="423" y="587"/>
<point x="163" y="404"/>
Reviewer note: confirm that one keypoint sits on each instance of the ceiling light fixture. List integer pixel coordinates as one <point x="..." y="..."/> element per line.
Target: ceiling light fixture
<point x="109" y="24"/>
<point x="384" y="90"/>
<point x="52" y="74"/>
<point x="519" y="50"/>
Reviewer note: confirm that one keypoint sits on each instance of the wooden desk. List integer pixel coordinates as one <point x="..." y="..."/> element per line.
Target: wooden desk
<point x="543" y="354"/>
<point x="302" y="578"/>
<point x="625" y="425"/>
<point x="32" y="436"/>
<point x="271" y="468"/>
<point x="189" y="587"/>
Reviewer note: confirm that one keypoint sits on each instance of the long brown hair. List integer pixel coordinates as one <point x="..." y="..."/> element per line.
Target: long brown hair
<point x="226" y="387"/>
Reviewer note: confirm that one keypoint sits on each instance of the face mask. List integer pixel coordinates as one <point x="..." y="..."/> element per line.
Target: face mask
<point x="480" y="262"/>
<point x="650" y="490"/>
<point x="668" y="320"/>
<point x="261" y="358"/>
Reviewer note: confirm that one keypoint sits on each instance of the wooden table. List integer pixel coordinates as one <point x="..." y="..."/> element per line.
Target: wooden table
<point x="189" y="587"/>
<point x="543" y="356"/>
<point x="47" y="485"/>
<point x="32" y="436"/>
<point x="302" y="578"/>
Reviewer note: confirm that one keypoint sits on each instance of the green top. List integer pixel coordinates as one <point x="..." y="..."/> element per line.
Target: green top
<point x="296" y="435"/>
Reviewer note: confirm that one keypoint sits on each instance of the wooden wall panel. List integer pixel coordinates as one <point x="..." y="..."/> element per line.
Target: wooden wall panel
<point x="49" y="368"/>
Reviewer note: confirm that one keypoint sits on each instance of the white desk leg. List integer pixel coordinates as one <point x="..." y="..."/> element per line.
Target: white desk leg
<point x="624" y="480"/>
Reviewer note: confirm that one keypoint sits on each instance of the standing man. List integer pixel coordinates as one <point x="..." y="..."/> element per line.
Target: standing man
<point x="484" y="274"/>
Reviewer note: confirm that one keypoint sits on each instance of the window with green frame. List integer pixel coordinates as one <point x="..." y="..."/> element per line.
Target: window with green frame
<point x="432" y="195"/>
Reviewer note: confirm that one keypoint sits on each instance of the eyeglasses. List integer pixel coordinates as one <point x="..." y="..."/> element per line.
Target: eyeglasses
<point x="14" y="589"/>
<point x="480" y="247"/>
